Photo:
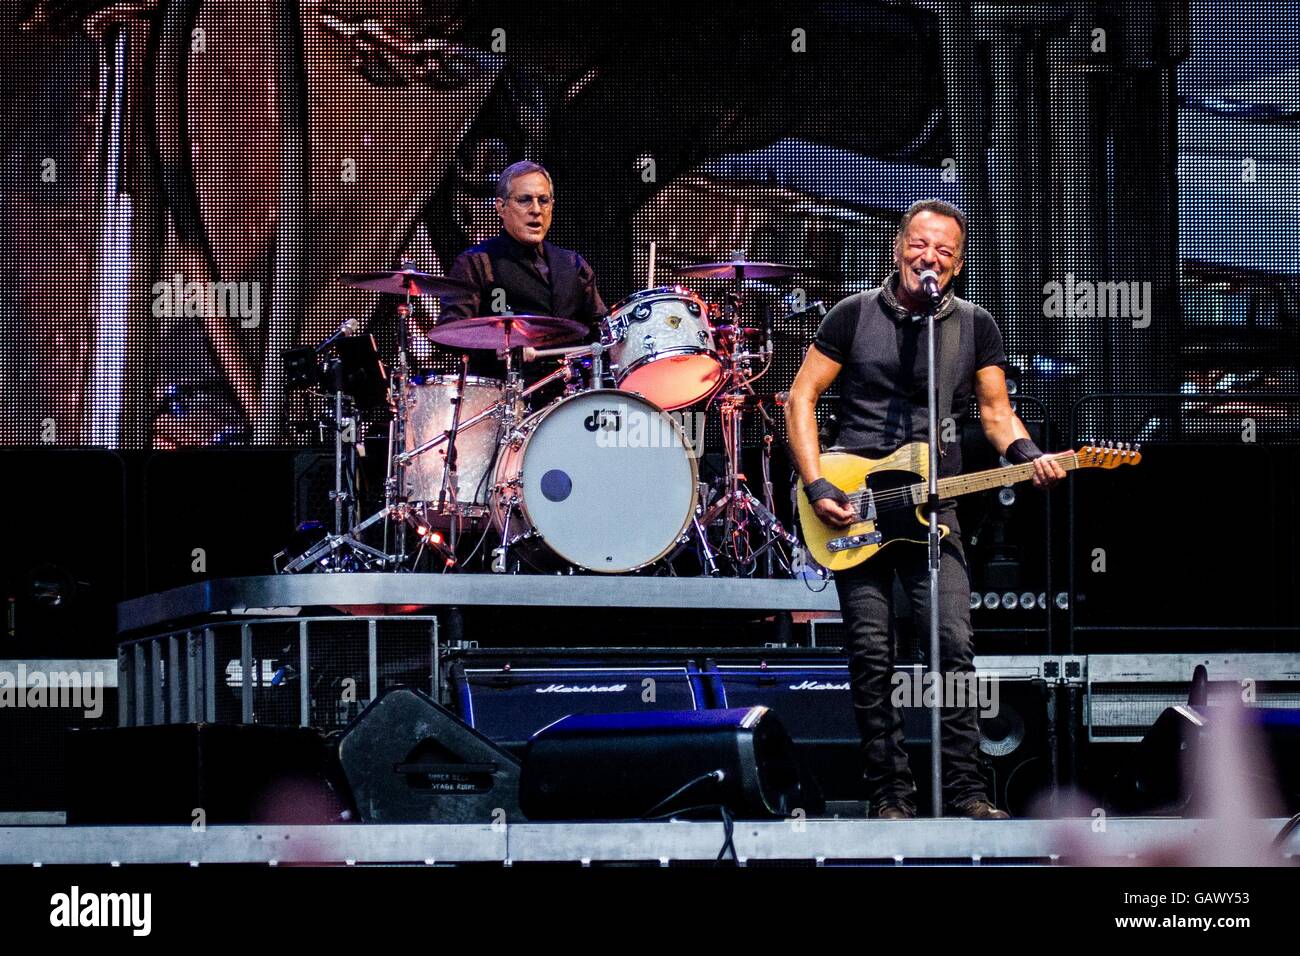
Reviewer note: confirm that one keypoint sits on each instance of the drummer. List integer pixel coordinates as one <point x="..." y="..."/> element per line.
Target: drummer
<point x="518" y="271"/>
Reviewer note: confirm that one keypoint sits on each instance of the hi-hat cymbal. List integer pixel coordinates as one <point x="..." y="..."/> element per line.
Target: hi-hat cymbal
<point x="741" y="267"/>
<point x="402" y="281"/>
<point x="489" y="331"/>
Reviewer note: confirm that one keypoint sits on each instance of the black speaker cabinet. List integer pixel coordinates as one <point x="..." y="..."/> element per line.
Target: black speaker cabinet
<point x="646" y="765"/>
<point x="407" y="759"/>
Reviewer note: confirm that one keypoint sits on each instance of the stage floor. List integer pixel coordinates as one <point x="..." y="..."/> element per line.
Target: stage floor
<point x="812" y="842"/>
<point x="410" y="592"/>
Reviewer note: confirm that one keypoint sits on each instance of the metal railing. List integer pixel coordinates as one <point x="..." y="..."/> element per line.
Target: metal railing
<point x="305" y="671"/>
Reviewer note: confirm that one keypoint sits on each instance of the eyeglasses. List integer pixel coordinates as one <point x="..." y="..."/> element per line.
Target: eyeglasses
<point x="523" y="202"/>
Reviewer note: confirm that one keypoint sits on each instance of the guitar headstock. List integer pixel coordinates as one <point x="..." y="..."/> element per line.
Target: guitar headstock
<point x="1109" y="455"/>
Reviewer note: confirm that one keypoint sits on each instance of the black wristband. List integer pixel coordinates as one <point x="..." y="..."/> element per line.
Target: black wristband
<point x="821" y="488"/>
<point x="1022" y="450"/>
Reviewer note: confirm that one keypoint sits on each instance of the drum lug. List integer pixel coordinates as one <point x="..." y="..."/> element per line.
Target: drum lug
<point x="613" y="330"/>
<point x="702" y="336"/>
<point x="649" y="343"/>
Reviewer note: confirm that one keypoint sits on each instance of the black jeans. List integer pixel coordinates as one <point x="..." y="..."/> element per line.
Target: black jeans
<point x="866" y="600"/>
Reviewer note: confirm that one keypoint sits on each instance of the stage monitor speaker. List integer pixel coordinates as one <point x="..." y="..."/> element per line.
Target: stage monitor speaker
<point x="510" y="696"/>
<point x="407" y="759"/>
<point x="647" y="765"/>
<point x="232" y="773"/>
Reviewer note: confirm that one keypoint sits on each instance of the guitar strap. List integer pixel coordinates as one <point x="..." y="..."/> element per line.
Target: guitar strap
<point x="950" y="361"/>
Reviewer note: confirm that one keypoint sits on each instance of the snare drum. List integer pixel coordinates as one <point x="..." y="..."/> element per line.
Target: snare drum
<point x="661" y="345"/>
<point x="602" y="480"/>
<point x="429" y="412"/>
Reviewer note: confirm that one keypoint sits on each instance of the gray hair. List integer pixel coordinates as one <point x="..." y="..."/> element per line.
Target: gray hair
<point x="939" y="208"/>
<point x="514" y="171"/>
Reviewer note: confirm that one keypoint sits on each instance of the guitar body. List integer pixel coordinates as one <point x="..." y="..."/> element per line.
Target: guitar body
<point x="852" y="474"/>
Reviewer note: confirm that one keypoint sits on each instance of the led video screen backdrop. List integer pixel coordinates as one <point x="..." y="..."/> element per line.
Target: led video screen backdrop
<point x="184" y="181"/>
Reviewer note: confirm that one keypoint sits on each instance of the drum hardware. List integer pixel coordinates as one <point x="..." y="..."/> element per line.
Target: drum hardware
<point x="346" y="365"/>
<point x="736" y="506"/>
<point x="449" y="468"/>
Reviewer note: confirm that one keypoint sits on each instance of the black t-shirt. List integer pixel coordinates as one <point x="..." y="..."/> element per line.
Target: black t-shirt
<point x="883" y="383"/>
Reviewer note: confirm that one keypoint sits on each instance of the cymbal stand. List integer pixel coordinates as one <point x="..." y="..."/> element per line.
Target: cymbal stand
<point x="449" y="466"/>
<point x="513" y="393"/>
<point x="737" y="505"/>
<point x="358" y="554"/>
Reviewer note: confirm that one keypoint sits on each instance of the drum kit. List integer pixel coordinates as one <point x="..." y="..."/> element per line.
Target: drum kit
<point x="603" y="478"/>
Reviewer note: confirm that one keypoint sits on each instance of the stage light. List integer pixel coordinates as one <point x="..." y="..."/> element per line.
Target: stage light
<point x="1062" y="600"/>
<point x="1041" y="601"/>
<point x="975" y="600"/>
<point x="1027" y="600"/>
<point x="991" y="600"/>
<point x="1009" y="601"/>
<point x="1007" y="496"/>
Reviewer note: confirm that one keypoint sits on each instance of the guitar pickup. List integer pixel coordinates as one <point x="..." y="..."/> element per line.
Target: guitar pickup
<point x="851" y="541"/>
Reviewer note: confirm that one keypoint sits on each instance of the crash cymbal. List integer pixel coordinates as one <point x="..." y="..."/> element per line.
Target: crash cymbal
<point x="730" y="270"/>
<point x="402" y="281"/>
<point x="489" y="331"/>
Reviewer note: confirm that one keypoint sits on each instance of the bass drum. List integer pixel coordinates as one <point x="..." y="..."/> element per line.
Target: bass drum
<point x="603" y="480"/>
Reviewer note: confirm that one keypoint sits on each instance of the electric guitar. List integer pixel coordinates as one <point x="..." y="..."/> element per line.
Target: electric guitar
<point x="889" y="496"/>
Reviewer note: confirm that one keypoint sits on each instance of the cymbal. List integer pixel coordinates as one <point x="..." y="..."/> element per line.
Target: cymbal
<point x="402" y="281"/>
<point x="489" y="331"/>
<point x="729" y="270"/>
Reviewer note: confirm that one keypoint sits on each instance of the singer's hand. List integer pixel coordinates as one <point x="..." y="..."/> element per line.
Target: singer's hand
<point x="1047" y="472"/>
<point x="833" y="513"/>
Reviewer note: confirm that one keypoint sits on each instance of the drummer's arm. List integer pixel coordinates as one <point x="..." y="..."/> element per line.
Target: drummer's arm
<point x="593" y="306"/>
<point x="462" y="305"/>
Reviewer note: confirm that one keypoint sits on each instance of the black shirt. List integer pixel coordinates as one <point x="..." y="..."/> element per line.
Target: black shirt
<point x="883" y="383"/>
<point x="508" y="276"/>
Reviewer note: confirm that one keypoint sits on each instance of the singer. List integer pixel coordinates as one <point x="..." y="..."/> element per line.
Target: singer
<point x="874" y="343"/>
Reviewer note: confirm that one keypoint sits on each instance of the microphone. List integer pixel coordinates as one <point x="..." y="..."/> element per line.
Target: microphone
<point x="930" y="283"/>
<point x="349" y="327"/>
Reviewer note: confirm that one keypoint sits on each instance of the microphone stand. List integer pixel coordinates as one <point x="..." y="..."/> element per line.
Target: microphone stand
<point x="933" y="539"/>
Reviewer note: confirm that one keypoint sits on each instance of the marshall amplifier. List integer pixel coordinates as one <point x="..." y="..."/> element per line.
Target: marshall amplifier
<point x="508" y="695"/>
<point x="809" y="690"/>
<point x="810" y="693"/>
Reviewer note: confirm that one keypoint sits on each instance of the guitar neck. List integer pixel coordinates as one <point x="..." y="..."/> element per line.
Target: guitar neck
<point x="959" y="485"/>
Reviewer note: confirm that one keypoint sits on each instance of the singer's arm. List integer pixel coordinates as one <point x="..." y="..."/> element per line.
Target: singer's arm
<point x="1002" y="426"/>
<point x="815" y="376"/>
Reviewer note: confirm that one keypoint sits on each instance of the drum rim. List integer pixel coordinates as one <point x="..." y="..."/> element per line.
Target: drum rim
<point x="659" y="291"/>
<point x="522" y="452"/>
